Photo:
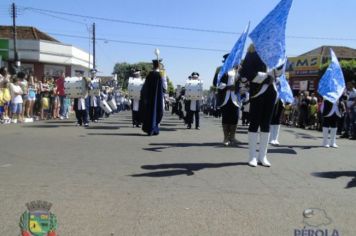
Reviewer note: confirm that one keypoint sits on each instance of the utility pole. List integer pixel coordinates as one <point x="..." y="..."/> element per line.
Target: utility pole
<point x="94" y="66"/>
<point x="14" y="15"/>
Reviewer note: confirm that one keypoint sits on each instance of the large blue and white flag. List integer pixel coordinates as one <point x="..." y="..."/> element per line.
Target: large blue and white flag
<point x="332" y="84"/>
<point x="269" y="35"/>
<point x="235" y="55"/>
<point x="284" y="91"/>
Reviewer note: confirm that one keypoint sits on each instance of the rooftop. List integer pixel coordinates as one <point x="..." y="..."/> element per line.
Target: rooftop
<point x="324" y="51"/>
<point x="25" y="32"/>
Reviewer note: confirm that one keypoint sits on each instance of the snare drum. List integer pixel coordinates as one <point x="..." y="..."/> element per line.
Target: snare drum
<point x="95" y="91"/>
<point x="75" y="87"/>
<point x="194" y="89"/>
<point x="105" y="106"/>
<point x="134" y="88"/>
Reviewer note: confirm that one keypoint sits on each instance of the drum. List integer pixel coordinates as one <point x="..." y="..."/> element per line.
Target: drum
<point x="194" y="89"/>
<point x="74" y="87"/>
<point x="134" y="88"/>
<point x="112" y="104"/>
<point x="105" y="106"/>
<point x="95" y="91"/>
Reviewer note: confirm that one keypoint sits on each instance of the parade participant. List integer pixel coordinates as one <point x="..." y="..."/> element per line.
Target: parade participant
<point x="276" y="122"/>
<point x="245" y="101"/>
<point x="94" y="101"/>
<point x="228" y="104"/>
<point x="94" y="108"/>
<point x="151" y="103"/>
<point x="192" y="107"/>
<point x="263" y="94"/>
<point x="81" y="106"/>
<point x="136" y="121"/>
<point x="331" y="114"/>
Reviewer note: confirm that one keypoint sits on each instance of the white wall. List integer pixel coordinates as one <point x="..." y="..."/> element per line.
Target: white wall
<point x="51" y="52"/>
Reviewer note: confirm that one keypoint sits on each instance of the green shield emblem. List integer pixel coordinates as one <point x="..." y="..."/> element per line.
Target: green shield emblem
<point x="39" y="223"/>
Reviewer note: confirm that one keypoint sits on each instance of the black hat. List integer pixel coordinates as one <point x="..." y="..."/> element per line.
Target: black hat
<point x="195" y="75"/>
<point x="225" y="56"/>
<point x="156" y="62"/>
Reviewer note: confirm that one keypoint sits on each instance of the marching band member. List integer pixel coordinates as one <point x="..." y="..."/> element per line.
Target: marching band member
<point x="135" y="103"/>
<point x="81" y="106"/>
<point x="151" y="103"/>
<point x="263" y="94"/>
<point x="331" y="114"/>
<point x="94" y="103"/>
<point x="193" y="107"/>
<point x="229" y="106"/>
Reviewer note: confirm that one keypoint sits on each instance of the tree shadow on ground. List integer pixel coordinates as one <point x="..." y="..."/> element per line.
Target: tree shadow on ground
<point x="337" y="174"/>
<point x="182" y="168"/>
<point x="162" y="146"/>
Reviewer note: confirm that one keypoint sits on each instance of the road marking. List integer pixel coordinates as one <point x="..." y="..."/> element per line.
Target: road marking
<point x="6" y="165"/>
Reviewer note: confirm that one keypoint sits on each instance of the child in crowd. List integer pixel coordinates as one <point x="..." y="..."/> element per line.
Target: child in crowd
<point x="16" y="101"/>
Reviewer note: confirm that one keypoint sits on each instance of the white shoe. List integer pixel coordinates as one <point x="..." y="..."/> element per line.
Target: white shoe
<point x="253" y="162"/>
<point x="252" y="143"/>
<point x="325" y="137"/>
<point x="262" y="155"/>
<point x="14" y="121"/>
<point x="61" y="118"/>
<point x="333" y="132"/>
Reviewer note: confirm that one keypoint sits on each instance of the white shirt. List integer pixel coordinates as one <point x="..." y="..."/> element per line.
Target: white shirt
<point x="229" y="94"/>
<point x="16" y="89"/>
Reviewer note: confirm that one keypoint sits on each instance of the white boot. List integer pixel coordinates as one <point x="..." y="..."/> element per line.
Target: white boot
<point x="252" y="143"/>
<point x="325" y="137"/>
<point x="333" y="132"/>
<point x="262" y="155"/>
<point x="276" y="134"/>
<point x="272" y="129"/>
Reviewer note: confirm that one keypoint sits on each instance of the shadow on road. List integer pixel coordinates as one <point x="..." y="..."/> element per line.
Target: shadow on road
<point x="161" y="146"/>
<point x="45" y="126"/>
<point x="300" y="146"/>
<point x="104" y="127"/>
<point x="337" y="174"/>
<point x="182" y="168"/>
<point x="117" y="134"/>
<point x="283" y="151"/>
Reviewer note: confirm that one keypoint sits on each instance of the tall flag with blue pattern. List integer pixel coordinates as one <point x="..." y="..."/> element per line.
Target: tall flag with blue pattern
<point x="235" y="55"/>
<point x="332" y="84"/>
<point x="269" y="35"/>
<point x="284" y="91"/>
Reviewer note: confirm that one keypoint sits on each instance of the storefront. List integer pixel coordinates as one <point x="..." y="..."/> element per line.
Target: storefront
<point x="41" y="54"/>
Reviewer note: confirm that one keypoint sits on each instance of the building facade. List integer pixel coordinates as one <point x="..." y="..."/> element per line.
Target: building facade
<point x="41" y="54"/>
<point x="304" y="70"/>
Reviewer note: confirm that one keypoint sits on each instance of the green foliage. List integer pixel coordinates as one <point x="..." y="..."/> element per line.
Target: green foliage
<point x="124" y="71"/>
<point x="348" y="69"/>
<point x="170" y="87"/>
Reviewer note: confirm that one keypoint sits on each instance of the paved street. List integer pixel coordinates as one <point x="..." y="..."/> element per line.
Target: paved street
<point x="111" y="179"/>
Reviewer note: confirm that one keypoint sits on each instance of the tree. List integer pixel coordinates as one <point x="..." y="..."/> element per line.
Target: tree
<point x="124" y="71"/>
<point x="170" y="87"/>
<point x="348" y="69"/>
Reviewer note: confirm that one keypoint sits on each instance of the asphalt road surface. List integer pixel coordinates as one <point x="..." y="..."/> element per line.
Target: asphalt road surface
<point x="111" y="179"/>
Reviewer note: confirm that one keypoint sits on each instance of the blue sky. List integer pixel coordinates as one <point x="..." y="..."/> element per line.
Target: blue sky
<point x="308" y="18"/>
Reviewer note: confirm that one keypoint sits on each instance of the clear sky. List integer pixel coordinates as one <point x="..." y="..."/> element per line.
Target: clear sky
<point x="317" y="22"/>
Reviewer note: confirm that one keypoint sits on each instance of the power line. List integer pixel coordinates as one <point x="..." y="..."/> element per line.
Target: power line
<point x="141" y="43"/>
<point x="173" y="27"/>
